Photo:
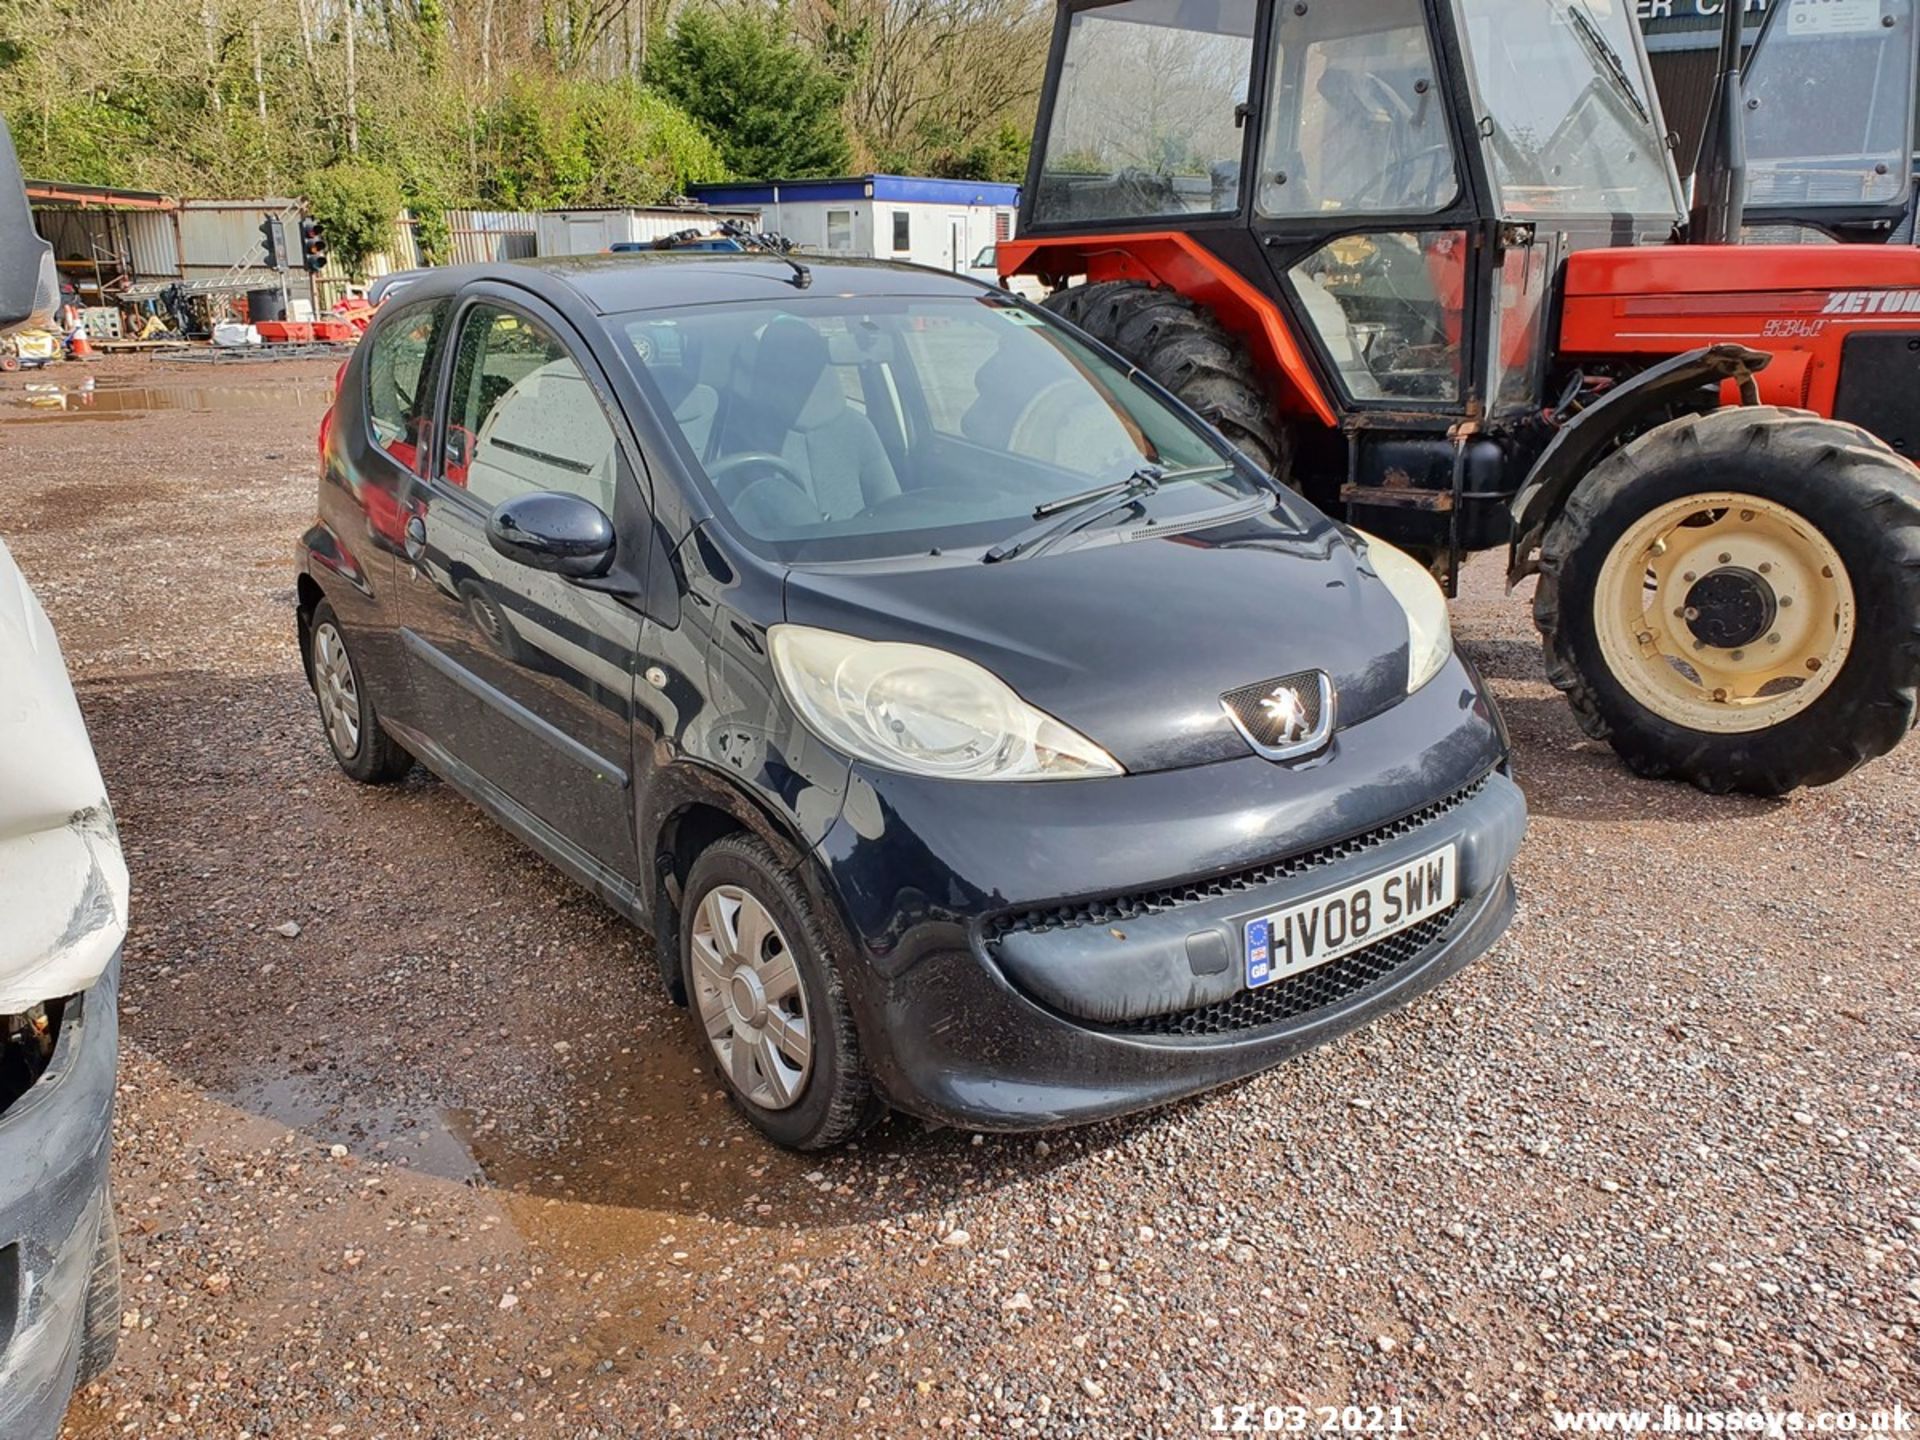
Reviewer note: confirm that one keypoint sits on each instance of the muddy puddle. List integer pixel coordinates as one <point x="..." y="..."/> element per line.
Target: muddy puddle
<point x="32" y="397"/>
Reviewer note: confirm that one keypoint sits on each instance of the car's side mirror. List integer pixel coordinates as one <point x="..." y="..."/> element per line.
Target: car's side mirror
<point x="29" y="287"/>
<point x="553" y="531"/>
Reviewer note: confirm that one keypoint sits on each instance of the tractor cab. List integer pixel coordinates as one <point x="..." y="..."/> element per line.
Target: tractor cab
<point x="1399" y="176"/>
<point x="1829" y="96"/>
<point x="1411" y="256"/>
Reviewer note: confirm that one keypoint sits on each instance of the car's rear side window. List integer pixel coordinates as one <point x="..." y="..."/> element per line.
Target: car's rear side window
<point x="399" y="392"/>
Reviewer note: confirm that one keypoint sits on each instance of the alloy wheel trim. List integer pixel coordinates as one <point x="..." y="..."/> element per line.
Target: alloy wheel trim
<point x="338" y="691"/>
<point x="751" y="1001"/>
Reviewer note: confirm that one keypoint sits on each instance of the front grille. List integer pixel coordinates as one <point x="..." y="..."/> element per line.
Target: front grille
<point x="1114" y="909"/>
<point x="1298" y="994"/>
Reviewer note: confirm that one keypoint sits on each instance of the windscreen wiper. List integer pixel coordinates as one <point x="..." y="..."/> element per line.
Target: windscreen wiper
<point x="1061" y="517"/>
<point x="1609" y="58"/>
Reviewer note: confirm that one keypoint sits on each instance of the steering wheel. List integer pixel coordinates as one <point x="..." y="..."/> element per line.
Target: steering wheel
<point x="723" y="472"/>
<point x="1382" y="188"/>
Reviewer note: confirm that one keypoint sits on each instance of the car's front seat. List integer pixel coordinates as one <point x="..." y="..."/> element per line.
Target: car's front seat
<point x="794" y="408"/>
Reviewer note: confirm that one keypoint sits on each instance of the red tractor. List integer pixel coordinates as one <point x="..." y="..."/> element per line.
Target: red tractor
<point x="1423" y="259"/>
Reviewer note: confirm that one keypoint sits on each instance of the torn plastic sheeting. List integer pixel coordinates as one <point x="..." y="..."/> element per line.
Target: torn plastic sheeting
<point x="63" y="881"/>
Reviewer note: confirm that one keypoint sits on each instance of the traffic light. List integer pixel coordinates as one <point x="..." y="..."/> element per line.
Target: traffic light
<point x="313" y="246"/>
<point x="273" y="241"/>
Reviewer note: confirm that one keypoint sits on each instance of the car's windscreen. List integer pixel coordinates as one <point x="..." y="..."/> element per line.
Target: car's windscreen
<point x="847" y="427"/>
<point x="1572" y="123"/>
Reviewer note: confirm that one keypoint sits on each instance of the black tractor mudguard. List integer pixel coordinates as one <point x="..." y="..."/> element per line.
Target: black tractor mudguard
<point x="1598" y="429"/>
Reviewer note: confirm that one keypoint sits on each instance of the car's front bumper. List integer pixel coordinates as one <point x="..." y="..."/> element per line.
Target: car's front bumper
<point x="1076" y="951"/>
<point x="53" y="1192"/>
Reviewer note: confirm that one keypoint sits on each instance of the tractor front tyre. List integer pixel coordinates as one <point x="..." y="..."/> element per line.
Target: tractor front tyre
<point x="1733" y="599"/>
<point x="1181" y="345"/>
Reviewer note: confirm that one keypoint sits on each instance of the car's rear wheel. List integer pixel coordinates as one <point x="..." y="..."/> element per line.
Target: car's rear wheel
<point x="1182" y="345"/>
<point x="1734" y="599"/>
<point x="767" y="998"/>
<point x="359" y="743"/>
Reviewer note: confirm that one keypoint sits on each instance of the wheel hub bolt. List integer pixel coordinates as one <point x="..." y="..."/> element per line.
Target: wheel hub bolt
<point x="1739" y="655"/>
<point x="1774" y="639"/>
<point x="1766" y="567"/>
<point x="1690" y="612"/>
<point x="1689" y="577"/>
<point x="1785" y="600"/>
<point x="1645" y="637"/>
<point x="1725" y="558"/>
<point x="1720" y="695"/>
<point x="1827" y="571"/>
<point x="1813" y="663"/>
<point x="1746" y="515"/>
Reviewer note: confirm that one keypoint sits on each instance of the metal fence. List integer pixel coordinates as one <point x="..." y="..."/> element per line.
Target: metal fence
<point x="479" y="235"/>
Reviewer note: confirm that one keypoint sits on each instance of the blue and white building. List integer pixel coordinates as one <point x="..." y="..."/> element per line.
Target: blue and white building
<point x="944" y="223"/>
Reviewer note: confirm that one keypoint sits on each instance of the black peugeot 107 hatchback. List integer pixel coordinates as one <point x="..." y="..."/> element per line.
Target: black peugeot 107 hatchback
<point x="974" y="730"/>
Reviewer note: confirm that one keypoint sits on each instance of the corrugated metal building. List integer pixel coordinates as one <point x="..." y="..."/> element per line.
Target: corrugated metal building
<point x="592" y="230"/>
<point x="220" y="239"/>
<point x="105" y="239"/>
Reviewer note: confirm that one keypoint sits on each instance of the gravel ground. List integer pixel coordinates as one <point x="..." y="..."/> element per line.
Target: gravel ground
<point x="443" y="1162"/>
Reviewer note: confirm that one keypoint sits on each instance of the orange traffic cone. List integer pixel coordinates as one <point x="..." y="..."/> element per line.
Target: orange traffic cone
<point x="80" y="349"/>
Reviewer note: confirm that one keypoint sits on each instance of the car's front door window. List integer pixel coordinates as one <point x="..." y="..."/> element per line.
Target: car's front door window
<point x="522" y="415"/>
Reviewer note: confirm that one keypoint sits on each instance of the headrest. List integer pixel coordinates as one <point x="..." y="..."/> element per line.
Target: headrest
<point x="793" y="382"/>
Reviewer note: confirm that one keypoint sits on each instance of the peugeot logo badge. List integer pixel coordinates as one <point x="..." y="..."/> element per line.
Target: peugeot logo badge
<point x="1287" y="713"/>
<point x="1288" y="717"/>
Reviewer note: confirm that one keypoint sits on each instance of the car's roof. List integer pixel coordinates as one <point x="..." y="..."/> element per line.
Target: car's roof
<point x="643" y="280"/>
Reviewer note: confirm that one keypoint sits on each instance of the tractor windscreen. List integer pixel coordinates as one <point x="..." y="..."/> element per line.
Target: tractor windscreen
<point x="1571" y="123"/>
<point x="1830" y="98"/>
<point x="1146" y="117"/>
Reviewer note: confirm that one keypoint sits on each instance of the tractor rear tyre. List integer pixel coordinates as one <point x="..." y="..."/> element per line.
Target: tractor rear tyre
<point x="1733" y="599"/>
<point x="1181" y="345"/>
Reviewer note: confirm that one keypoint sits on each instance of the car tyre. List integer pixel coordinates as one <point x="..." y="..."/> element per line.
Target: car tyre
<point x="359" y="742"/>
<point x="731" y="948"/>
<point x="100" y="1319"/>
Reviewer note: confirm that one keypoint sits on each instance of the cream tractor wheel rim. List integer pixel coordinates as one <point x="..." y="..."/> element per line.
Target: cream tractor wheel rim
<point x="1724" y="612"/>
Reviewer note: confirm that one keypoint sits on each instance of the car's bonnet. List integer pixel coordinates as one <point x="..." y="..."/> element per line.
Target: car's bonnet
<point x="1134" y="644"/>
<point x="63" y="883"/>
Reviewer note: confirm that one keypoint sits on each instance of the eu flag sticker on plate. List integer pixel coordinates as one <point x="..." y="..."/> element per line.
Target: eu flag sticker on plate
<point x="1259" y="952"/>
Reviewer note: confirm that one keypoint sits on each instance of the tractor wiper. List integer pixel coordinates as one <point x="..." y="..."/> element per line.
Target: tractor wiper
<point x="1059" y="518"/>
<point x="1609" y="58"/>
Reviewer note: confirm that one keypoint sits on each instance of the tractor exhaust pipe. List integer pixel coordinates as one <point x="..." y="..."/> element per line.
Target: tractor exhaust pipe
<point x="1720" y="172"/>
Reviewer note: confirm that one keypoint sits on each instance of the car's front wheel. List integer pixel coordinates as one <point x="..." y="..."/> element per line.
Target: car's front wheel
<point x="767" y="998"/>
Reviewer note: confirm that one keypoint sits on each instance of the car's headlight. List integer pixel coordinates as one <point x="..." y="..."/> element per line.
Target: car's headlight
<point x="914" y="708"/>
<point x="1429" y="630"/>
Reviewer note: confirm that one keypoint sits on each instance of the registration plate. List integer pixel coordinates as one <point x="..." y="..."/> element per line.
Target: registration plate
<point x="1344" y="920"/>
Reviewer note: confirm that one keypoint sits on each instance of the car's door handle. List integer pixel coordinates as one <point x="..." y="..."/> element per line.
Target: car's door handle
<point x="416" y="537"/>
